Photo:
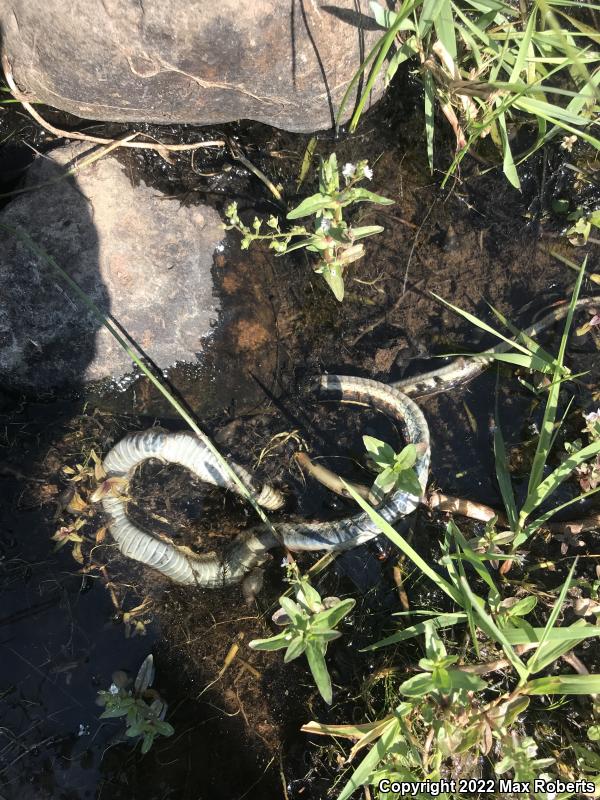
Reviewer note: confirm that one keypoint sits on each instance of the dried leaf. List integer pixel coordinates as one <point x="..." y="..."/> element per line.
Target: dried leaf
<point x="113" y="487"/>
<point x="77" y="553"/>
<point x="99" y="471"/>
<point x="77" y="504"/>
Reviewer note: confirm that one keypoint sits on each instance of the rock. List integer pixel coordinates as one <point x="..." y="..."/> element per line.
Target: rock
<point x="165" y="61"/>
<point x="143" y="258"/>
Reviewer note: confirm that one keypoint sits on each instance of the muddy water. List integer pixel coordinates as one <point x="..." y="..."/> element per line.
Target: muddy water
<point x="66" y="626"/>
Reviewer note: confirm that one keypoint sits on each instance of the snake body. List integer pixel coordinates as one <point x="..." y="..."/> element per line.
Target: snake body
<point x="461" y="370"/>
<point x="250" y="549"/>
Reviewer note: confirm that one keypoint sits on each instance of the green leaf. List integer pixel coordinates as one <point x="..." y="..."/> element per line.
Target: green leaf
<point x="439" y="622"/>
<point x="273" y="643"/>
<point x="381" y="453"/>
<point x="523" y="607"/>
<point x="332" y="274"/>
<point x="503" y="474"/>
<point x="472" y="557"/>
<point x="540" y="659"/>
<point x="366" y="230"/>
<point x="385" y="482"/>
<point x="434" y="647"/>
<point x="313" y="241"/>
<point x="307" y="595"/>
<point x="444" y="27"/>
<point x="577" y="632"/>
<point x="488" y="626"/>
<point x="404" y="546"/>
<point x="365" y="769"/>
<point x="377" y="55"/>
<point x="383" y="16"/>
<point x="111" y="713"/>
<point x="306" y="161"/>
<point x="147" y="743"/>
<point x="418" y="686"/>
<point x="164" y="728"/>
<point x="318" y="667"/>
<point x="406" y="458"/>
<point x="593" y="733"/>
<point x="560" y="474"/>
<point x="325" y="635"/>
<point x="296" y="647"/>
<point x="360" y="195"/>
<point x="535" y="492"/>
<point x="292" y="609"/>
<point x="564" y="684"/>
<point x="331" y="616"/>
<point x="312" y="204"/>
<point x="407" y="480"/>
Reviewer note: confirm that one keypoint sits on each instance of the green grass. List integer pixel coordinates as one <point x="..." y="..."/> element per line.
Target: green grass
<point x="491" y="69"/>
<point x="448" y="714"/>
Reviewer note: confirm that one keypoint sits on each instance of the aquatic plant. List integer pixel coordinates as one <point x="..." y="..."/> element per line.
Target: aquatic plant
<point x="336" y="243"/>
<point x="442" y="719"/>
<point x="396" y="470"/>
<point x="445" y="716"/>
<point x="541" y="486"/>
<point x="142" y="719"/>
<point x="309" y="625"/>
<point x="492" y="67"/>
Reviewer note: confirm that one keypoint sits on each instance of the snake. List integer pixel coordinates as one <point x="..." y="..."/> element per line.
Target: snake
<point x="251" y="548"/>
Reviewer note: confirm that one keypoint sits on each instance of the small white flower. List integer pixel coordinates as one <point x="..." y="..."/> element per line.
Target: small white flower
<point x="593" y="416"/>
<point x="113" y="688"/>
<point x="84" y="730"/>
<point x="551" y="795"/>
<point x="325" y="224"/>
<point x="348" y="170"/>
<point x="368" y="173"/>
<point x="567" y="143"/>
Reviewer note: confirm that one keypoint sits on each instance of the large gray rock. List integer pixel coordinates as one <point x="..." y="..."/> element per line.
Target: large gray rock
<point x="198" y="61"/>
<point x="142" y="257"/>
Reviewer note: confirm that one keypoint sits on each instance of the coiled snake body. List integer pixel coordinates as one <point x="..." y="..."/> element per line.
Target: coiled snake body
<point x="250" y="549"/>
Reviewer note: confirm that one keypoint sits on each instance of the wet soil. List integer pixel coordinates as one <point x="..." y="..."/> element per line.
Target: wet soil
<point x="71" y="618"/>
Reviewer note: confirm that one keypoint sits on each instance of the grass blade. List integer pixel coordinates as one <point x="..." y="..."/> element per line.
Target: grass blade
<point x="439" y="622"/>
<point x="538" y="660"/>
<point x="547" y="426"/>
<point x="128" y="347"/>
<point x="502" y="471"/>
<point x="489" y="627"/>
<point x="404" y="546"/>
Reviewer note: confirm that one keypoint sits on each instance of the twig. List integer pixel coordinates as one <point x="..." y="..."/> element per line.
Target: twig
<point x="84" y="137"/>
<point x="236" y="153"/>
<point x="328" y="478"/>
<point x="437" y="501"/>
<point x="459" y="505"/>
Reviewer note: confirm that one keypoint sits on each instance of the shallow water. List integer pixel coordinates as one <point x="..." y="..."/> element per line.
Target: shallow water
<point x="61" y="634"/>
